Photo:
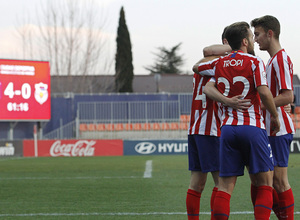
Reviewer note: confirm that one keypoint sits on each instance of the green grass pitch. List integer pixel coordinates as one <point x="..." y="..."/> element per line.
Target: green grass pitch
<point x="112" y="188"/>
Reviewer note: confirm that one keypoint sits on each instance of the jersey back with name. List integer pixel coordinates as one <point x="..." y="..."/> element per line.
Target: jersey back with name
<point x="240" y="73"/>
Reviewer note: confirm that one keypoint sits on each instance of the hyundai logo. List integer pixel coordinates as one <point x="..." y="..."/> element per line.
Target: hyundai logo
<point x="145" y="148"/>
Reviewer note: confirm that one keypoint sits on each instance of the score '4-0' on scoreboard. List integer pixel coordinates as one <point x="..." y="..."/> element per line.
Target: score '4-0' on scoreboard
<point x="25" y="90"/>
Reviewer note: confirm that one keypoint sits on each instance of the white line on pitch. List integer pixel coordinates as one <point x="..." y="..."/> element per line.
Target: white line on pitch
<point x="69" y="178"/>
<point x="120" y="214"/>
<point x="4" y="159"/>
<point x="148" y="169"/>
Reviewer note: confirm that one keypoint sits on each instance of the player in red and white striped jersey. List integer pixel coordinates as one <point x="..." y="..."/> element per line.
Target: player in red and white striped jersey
<point x="279" y="76"/>
<point x="244" y="64"/>
<point x="205" y="115"/>
<point x="280" y="81"/>
<point x="203" y="136"/>
<point x="203" y="145"/>
<point x="243" y="140"/>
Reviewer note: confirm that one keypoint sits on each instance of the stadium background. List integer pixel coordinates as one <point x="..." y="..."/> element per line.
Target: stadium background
<point x="156" y="111"/>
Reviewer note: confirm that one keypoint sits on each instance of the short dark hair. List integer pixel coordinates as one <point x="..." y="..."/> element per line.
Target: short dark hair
<point x="223" y="34"/>
<point x="267" y="22"/>
<point x="235" y="34"/>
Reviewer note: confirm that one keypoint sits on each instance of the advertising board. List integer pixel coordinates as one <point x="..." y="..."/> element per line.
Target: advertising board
<point x="72" y="148"/>
<point x="11" y="148"/>
<point x="295" y="146"/>
<point x="157" y="147"/>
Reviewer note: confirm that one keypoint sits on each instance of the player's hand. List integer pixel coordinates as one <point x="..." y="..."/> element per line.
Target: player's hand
<point x="262" y="106"/>
<point x="288" y="108"/>
<point x="275" y="125"/>
<point x="238" y="103"/>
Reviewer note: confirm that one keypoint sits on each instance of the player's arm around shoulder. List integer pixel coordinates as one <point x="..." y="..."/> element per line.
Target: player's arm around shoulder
<point x="203" y="60"/>
<point x="212" y="52"/>
<point x="216" y="50"/>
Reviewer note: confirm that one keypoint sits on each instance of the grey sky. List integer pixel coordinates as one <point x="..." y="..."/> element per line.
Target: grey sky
<point x="156" y="23"/>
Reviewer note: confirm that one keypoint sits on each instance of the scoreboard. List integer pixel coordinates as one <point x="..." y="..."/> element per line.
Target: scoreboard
<point x="25" y="90"/>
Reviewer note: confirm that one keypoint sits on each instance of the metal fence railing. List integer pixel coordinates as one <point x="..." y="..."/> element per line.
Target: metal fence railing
<point x="130" y="120"/>
<point x="129" y="112"/>
<point x="67" y="131"/>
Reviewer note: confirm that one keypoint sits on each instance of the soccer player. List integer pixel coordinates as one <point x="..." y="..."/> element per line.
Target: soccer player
<point x="280" y="80"/>
<point x="243" y="140"/>
<point x="203" y="136"/>
<point x="203" y="145"/>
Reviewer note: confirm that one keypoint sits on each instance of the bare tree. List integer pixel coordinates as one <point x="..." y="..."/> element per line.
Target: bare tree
<point x="69" y="34"/>
<point x="25" y="32"/>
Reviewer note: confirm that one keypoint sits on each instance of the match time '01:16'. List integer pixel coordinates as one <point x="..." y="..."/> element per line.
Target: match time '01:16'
<point x="21" y="107"/>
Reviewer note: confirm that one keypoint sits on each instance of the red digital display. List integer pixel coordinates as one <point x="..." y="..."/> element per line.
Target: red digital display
<point x="25" y="90"/>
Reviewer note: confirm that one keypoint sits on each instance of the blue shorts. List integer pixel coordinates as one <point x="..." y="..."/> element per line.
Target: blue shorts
<point x="203" y="153"/>
<point x="242" y="146"/>
<point x="281" y="149"/>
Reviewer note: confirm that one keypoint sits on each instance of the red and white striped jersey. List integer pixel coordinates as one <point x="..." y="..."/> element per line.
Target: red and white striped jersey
<point x="238" y="73"/>
<point x="205" y="113"/>
<point x="280" y="76"/>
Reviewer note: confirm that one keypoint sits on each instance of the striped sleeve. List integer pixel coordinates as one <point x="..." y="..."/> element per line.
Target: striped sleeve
<point x="283" y="71"/>
<point x="207" y="68"/>
<point x="258" y="68"/>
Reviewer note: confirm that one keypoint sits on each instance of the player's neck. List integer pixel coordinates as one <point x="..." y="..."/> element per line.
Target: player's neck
<point x="244" y="49"/>
<point x="274" y="48"/>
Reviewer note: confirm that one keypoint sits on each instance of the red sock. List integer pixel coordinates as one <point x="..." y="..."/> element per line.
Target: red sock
<point x="221" y="206"/>
<point x="212" y="199"/>
<point x="263" y="203"/>
<point x="193" y="204"/>
<point x="253" y="194"/>
<point x="275" y="206"/>
<point x="286" y="204"/>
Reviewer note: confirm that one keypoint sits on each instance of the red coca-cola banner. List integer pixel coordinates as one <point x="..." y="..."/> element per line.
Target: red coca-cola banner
<point x="72" y="148"/>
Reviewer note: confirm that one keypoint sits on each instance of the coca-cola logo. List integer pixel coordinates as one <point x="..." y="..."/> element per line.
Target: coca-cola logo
<point x="81" y="148"/>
